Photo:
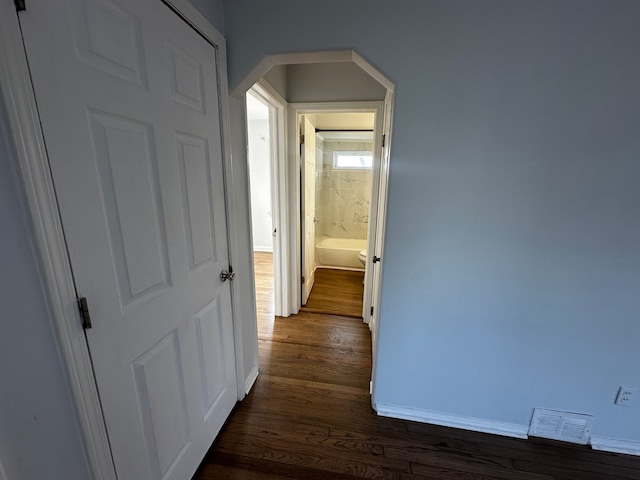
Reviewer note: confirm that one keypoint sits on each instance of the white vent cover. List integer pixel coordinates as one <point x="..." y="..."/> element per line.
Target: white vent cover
<point x="566" y="426"/>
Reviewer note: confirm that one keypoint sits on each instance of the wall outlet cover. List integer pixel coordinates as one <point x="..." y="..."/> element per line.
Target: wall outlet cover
<point x="625" y="396"/>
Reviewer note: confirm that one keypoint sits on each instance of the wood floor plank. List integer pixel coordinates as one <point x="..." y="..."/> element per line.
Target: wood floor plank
<point x="461" y="462"/>
<point x="313" y="439"/>
<point x="282" y="470"/>
<point x="307" y="362"/>
<point x="328" y="457"/>
<point x="216" y="471"/>
<point x="338" y="292"/>
<point x="340" y="391"/>
<point x="309" y="416"/>
<point x="449" y="473"/>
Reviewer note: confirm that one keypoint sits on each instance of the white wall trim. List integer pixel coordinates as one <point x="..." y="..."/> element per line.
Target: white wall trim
<point x="377" y="208"/>
<point x="279" y="199"/>
<point x="268" y="88"/>
<point x="337" y="56"/>
<point x="515" y="430"/>
<point x="295" y="110"/>
<point x="372" y="71"/>
<point x="381" y="225"/>
<point x="270" y="61"/>
<point x="292" y="180"/>
<point x="615" y="445"/>
<point x="455" y="421"/>
<point x="251" y="379"/>
<point x="257" y="248"/>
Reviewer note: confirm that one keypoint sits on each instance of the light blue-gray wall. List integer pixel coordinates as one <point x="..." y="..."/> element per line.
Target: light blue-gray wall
<point x="213" y="11"/>
<point x="39" y="432"/>
<point x="277" y="78"/>
<point x="331" y="82"/>
<point x="512" y="256"/>
<point x="324" y="82"/>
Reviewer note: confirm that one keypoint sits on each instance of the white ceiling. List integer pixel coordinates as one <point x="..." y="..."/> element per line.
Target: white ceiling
<point x="345" y="121"/>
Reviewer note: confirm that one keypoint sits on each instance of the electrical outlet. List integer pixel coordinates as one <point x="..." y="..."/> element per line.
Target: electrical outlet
<point x="625" y="396"/>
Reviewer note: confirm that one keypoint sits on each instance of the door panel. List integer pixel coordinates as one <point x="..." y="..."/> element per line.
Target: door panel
<point x="309" y="208"/>
<point x="127" y="171"/>
<point x="196" y="199"/>
<point x="185" y="77"/>
<point x="107" y="36"/>
<point x="212" y="363"/>
<point x="162" y="400"/>
<point x="131" y="123"/>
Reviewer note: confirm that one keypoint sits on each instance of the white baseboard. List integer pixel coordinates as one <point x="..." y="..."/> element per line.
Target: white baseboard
<point x="455" y="421"/>
<point x="251" y="379"/>
<point x="605" y="444"/>
<point x="263" y="249"/>
<point x="630" y="447"/>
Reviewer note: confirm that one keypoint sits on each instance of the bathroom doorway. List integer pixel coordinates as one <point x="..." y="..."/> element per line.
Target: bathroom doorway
<point x="339" y="191"/>
<point x="345" y="188"/>
<point x="338" y="198"/>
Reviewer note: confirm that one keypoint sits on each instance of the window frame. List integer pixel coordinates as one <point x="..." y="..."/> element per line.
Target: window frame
<point x="352" y="153"/>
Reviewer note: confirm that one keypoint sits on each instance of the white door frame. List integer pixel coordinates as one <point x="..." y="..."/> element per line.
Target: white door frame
<point x="278" y="150"/>
<point x="377" y="208"/>
<point x="380" y="228"/>
<point x="54" y="265"/>
<point x="292" y="174"/>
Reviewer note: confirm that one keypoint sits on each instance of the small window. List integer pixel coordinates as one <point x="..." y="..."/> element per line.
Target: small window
<point x="353" y="159"/>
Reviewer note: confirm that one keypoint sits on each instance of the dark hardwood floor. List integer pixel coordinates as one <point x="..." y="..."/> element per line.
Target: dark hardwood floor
<point x="337" y="292"/>
<point x="309" y="417"/>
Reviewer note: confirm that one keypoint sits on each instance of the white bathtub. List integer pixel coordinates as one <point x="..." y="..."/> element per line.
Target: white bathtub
<point x="340" y="253"/>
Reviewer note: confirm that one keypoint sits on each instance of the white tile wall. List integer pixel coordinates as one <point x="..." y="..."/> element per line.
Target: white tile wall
<point x="342" y="196"/>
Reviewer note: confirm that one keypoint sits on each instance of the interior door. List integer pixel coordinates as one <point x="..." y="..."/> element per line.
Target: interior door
<point x="309" y="207"/>
<point x="128" y="99"/>
<point x="376" y="250"/>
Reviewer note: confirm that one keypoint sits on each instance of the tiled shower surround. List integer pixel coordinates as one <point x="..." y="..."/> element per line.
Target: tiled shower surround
<point x="342" y="195"/>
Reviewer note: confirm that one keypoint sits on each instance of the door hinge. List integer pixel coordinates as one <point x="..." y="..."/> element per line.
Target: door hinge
<point x="372" y="311"/>
<point x="301" y="139"/>
<point x="83" y="306"/>
<point x="21" y="5"/>
<point x="302" y="281"/>
<point x="384" y="140"/>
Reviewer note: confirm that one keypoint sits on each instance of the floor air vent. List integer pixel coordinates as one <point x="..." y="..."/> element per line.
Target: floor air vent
<point x="566" y="426"/>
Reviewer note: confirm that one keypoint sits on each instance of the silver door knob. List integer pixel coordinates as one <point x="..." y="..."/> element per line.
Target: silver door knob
<point x="224" y="275"/>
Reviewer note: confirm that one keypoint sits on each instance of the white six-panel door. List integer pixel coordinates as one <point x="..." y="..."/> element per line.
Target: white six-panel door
<point x="128" y="99"/>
